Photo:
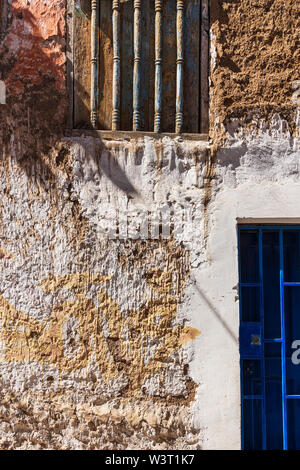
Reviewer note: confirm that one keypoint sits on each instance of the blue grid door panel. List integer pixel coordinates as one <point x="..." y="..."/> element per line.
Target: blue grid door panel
<point x="269" y="289"/>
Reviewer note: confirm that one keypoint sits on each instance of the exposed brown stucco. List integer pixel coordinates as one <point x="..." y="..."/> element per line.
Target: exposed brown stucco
<point x="257" y="52"/>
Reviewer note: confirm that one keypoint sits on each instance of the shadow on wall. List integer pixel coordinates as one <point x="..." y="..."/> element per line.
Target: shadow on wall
<point x="108" y="165"/>
<point x="216" y="314"/>
<point x="220" y="15"/>
<point x="34" y="118"/>
<point x="105" y="159"/>
<point x="32" y="66"/>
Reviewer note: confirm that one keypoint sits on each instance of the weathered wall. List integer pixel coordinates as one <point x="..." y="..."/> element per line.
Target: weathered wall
<point x="254" y="62"/>
<point x="109" y="339"/>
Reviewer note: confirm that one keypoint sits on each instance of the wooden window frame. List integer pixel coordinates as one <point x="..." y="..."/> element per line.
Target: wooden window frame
<point x="3" y="18"/>
<point x="125" y="134"/>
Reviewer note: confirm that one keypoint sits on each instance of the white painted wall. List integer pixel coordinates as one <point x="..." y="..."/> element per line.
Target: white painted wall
<point x="256" y="176"/>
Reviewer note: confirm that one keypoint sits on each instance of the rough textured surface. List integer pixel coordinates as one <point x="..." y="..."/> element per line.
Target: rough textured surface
<point x="255" y="60"/>
<point x="110" y="338"/>
<point x="94" y="321"/>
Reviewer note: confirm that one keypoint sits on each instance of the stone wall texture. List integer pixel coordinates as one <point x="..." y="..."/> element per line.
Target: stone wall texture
<point x="110" y="339"/>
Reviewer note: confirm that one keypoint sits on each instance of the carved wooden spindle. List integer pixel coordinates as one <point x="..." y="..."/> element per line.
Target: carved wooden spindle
<point x="204" y="66"/>
<point x="179" y="62"/>
<point x="94" y="60"/>
<point x="158" y="65"/>
<point x="137" y="64"/>
<point x="116" y="92"/>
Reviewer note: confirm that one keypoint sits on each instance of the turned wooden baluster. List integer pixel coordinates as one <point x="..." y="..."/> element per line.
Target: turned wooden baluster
<point x="158" y="65"/>
<point x="94" y="60"/>
<point x="137" y="66"/>
<point x="116" y="92"/>
<point x="179" y="62"/>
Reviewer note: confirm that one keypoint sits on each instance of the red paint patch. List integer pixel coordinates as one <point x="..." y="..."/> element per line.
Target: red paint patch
<point x="36" y="37"/>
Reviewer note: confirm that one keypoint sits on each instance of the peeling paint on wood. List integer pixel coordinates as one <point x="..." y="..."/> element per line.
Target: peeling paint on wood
<point x="94" y="61"/>
<point x="179" y="64"/>
<point x="158" y="65"/>
<point x="116" y="65"/>
<point x="136" y="126"/>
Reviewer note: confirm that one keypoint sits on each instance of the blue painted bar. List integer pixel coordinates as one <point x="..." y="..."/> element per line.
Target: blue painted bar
<point x="296" y="397"/>
<point x="94" y="60"/>
<point x="275" y="340"/>
<point x="283" y="365"/>
<point x="179" y="62"/>
<point x="250" y="284"/>
<point x="137" y="66"/>
<point x="253" y="397"/>
<point x="158" y="66"/>
<point x="261" y="302"/>
<point x="269" y="227"/>
<point x="116" y="84"/>
<point x="241" y="359"/>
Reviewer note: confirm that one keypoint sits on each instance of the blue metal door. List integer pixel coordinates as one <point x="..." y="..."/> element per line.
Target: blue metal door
<point x="269" y="292"/>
